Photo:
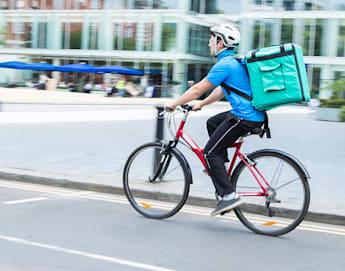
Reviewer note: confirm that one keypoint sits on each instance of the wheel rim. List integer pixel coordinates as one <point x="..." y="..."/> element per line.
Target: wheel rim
<point x="157" y="199"/>
<point x="287" y="199"/>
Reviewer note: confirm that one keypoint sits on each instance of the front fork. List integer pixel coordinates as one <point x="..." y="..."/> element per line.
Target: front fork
<point x="162" y="161"/>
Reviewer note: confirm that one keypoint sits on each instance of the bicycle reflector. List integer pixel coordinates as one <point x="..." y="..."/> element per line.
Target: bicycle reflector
<point x="145" y="205"/>
<point x="270" y="223"/>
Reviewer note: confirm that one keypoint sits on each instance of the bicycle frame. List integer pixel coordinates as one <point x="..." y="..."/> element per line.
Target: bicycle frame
<point x="181" y="134"/>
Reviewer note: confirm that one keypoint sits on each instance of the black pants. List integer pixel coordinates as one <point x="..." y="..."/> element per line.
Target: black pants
<point x="224" y="129"/>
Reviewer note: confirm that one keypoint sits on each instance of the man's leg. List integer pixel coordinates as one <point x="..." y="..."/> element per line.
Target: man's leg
<point x="213" y="123"/>
<point x="226" y="134"/>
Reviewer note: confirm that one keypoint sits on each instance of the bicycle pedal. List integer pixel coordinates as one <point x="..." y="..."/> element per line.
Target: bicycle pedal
<point x="223" y="213"/>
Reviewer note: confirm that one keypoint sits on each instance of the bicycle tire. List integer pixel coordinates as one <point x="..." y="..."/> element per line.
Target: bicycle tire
<point x="257" y="217"/>
<point x="160" y="199"/>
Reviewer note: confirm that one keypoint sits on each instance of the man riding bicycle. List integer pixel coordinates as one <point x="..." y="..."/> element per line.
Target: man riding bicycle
<point x="224" y="128"/>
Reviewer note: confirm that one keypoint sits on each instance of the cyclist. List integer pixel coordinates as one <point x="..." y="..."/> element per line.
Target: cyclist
<point x="224" y="128"/>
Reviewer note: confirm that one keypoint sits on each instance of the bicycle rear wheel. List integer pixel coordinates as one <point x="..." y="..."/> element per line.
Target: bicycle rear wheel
<point x="286" y="203"/>
<point x="159" y="197"/>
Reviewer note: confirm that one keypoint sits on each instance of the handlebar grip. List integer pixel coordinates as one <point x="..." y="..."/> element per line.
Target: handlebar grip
<point x="188" y="107"/>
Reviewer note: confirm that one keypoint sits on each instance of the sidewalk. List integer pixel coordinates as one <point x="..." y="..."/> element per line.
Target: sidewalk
<point x="78" y="164"/>
<point x="29" y="95"/>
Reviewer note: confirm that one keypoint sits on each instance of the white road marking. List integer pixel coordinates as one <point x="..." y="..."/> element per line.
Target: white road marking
<point x="24" y="200"/>
<point x="309" y="226"/>
<point x="86" y="254"/>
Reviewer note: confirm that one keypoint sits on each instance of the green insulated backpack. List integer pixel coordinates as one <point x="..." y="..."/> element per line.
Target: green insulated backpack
<point x="277" y="76"/>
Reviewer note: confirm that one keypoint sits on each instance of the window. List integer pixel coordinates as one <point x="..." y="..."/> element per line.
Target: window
<point x="93" y="36"/>
<point x="262" y="34"/>
<point x="341" y="41"/>
<point x="117" y="37"/>
<point x="286" y="35"/>
<point x="4" y="5"/>
<point x="129" y="36"/>
<point x="18" y="28"/>
<point x="289" y="4"/>
<point x="20" y="4"/>
<point x="195" y="5"/>
<point x="198" y="40"/>
<point x="94" y="4"/>
<point x="42" y="35"/>
<point x="71" y="35"/>
<point x="313" y="30"/>
<point x="34" y="4"/>
<point x="148" y="36"/>
<point x="223" y="6"/>
<point x="170" y="4"/>
<point x="169" y="37"/>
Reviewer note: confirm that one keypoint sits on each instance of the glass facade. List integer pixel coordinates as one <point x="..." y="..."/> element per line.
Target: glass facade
<point x="198" y="38"/>
<point x="86" y="24"/>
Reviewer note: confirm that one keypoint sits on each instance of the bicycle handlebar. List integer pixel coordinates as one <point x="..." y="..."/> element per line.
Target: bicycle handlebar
<point x="187" y="107"/>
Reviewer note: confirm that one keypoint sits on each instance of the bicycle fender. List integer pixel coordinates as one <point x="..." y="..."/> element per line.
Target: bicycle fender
<point x="289" y="156"/>
<point x="178" y="152"/>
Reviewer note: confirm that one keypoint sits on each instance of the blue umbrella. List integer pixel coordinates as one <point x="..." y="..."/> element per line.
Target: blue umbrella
<point x="117" y="69"/>
<point x="13" y="65"/>
<point x="41" y="67"/>
<point x="76" y="68"/>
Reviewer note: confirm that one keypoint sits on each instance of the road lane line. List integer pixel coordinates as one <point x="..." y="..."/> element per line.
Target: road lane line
<point x="56" y="190"/>
<point x="24" y="200"/>
<point x="86" y="254"/>
<point x="186" y="209"/>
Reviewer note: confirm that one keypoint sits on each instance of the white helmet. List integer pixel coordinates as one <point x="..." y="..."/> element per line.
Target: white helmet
<point x="228" y="33"/>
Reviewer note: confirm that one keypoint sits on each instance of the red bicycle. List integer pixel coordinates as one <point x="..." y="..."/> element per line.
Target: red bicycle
<point x="273" y="184"/>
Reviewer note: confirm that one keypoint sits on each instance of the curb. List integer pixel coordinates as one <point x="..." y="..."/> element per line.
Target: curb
<point x="192" y="200"/>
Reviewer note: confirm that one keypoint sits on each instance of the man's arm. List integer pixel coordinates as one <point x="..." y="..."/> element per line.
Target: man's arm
<point x="215" y="96"/>
<point x="192" y="93"/>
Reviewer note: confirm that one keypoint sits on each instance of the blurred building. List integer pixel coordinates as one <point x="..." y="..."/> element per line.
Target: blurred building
<point x="168" y="38"/>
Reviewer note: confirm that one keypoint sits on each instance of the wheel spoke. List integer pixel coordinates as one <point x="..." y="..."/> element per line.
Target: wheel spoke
<point x="171" y="170"/>
<point x="289" y="182"/>
<point x="277" y="174"/>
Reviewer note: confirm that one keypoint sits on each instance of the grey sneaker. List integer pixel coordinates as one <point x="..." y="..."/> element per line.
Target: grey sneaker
<point x="227" y="203"/>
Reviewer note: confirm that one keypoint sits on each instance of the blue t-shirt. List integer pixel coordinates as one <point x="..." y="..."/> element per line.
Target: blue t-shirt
<point x="230" y="71"/>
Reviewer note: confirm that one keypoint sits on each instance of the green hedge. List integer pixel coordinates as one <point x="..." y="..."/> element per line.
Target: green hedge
<point x="342" y="113"/>
<point x="332" y="103"/>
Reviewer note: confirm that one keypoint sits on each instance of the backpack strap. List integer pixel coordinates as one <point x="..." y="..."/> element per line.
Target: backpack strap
<point x="266" y="130"/>
<point x="240" y="93"/>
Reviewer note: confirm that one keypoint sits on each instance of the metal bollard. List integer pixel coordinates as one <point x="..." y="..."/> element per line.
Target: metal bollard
<point x="159" y="134"/>
<point x="159" y="123"/>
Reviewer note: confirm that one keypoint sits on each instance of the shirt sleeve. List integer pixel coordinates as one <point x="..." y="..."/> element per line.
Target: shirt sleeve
<point x="218" y="74"/>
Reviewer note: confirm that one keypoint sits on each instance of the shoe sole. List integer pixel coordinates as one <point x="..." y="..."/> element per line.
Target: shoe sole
<point x="228" y="208"/>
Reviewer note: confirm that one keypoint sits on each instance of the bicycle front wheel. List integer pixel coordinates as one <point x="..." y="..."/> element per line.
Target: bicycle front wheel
<point x="156" y="182"/>
<point x="286" y="202"/>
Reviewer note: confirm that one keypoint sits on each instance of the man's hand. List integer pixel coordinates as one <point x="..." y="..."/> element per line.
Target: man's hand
<point x="169" y="107"/>
<point x="197" y="107"/>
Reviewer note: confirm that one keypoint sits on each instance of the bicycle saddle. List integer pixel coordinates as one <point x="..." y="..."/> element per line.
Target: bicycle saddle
<point x="256" y="131"/>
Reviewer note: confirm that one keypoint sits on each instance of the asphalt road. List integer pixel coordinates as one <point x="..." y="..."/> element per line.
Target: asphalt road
<point x="46" y="228"/>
